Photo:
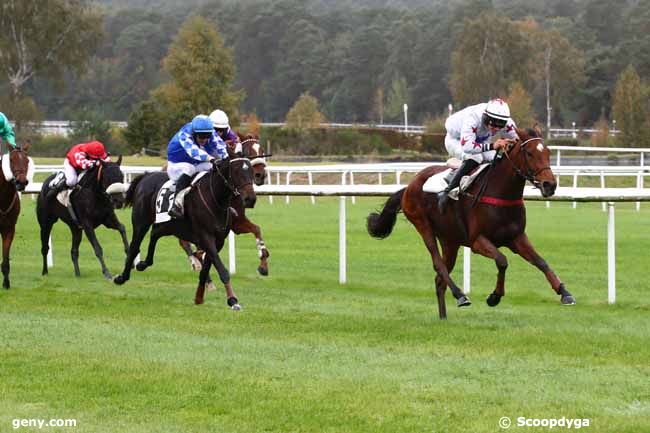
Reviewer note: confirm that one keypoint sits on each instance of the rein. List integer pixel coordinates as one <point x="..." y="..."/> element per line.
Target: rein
<point x="530" y="175"/>
<point x="4" y="213"/>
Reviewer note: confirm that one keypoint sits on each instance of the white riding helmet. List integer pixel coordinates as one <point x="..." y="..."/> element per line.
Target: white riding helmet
<point x="219" y="119"/>
<point x="498" y="109"/>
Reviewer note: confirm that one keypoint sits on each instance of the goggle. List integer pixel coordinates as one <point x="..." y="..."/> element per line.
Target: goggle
<point x="221" y="130"/>
<point x="496" y="123"/>
<point x="203" y="135"/>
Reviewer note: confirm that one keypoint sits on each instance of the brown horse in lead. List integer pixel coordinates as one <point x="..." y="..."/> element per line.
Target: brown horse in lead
<point x="489" y="215"/>
<point x="14" y="166"/>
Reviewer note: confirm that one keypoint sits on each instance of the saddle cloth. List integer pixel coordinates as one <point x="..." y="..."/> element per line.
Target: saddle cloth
<point x="64" y="196"/>
<point x="165" y="198"/>
<point x="438" y="182"/>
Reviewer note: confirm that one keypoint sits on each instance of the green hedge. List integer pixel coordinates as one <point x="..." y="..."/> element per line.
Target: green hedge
<point x="347" y="141"/>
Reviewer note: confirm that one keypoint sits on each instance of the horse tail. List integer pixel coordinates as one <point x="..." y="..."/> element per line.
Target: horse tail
<point x="130" y="193"/>
<point x="380" y="225"/>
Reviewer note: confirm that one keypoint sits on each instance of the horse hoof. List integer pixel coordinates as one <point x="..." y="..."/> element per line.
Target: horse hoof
<point x="6" y="286"/>
<point x="568" y="300"/>
<point x="493" y="300"/>
<point x="263" y="271"/>
<point x="233" y="303"/>
<point x="198" y="301"/>
<point x="141" y="266"/>
<point x="108" y="276"/>
<point x="119" y="280"/>
<point x="463" y="301"/>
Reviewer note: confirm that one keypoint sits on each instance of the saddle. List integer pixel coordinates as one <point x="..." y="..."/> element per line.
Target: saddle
<point x="439" y="181"/>
<point x="166" y="195"/>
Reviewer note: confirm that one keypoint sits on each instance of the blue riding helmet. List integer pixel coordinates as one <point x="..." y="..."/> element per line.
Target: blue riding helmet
<point x="202" y="124"/>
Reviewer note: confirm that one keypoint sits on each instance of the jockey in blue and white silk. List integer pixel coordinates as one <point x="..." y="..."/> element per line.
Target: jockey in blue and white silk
<point x="191" y="150"/>
<point x="469" y="135"/>
<point x="188" y="154"/>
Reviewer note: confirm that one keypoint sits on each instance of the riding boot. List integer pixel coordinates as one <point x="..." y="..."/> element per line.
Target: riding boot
<point x="54" y="190"/>
<point x="176" y="211"/>
<point x="443" y="197"/>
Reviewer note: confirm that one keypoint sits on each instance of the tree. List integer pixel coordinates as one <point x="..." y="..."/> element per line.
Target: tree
<point x="143" y="130"/>
<point x="520" y="106"/>
<point x="630" y="108"/>
<point x="201" y="71"/>
<point x="304" y="114"/>
<point x="45" y="39"/>
<point x="398" y="95"/>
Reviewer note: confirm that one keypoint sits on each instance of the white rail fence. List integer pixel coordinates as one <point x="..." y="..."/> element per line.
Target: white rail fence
<point x="610" y="196"/>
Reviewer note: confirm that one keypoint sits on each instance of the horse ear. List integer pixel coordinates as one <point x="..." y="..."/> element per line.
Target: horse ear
<point x="26" y="145"/>
<point x="537" y="129"/>
<point x="119" y="160"/>
<point x="521" y="133"/>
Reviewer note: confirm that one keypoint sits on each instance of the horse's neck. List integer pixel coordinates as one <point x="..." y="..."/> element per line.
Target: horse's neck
<point x="504" y="182"/>
<point x="7" y="192"/>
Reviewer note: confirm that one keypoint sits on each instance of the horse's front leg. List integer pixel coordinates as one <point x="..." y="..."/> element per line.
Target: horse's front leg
<point x="211" y="249"/>
<point x="99" y="252"/>
<point x="74" y="248"/>
<point x="486" y="248"/>
<point x="244" y="225"/>
<point x="522" y="246"/>
<point x="115" y="224"/>
<point x="7" y="239"/>
<point x="195" y="262"/>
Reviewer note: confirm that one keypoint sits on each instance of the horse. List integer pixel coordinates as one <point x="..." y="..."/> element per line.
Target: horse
<point x="94" y="199"/>
<point x="241" y="224"/>
<point x="207" y="218"/>
<point x="489" y="215"/>
<point x="15" y="165"/>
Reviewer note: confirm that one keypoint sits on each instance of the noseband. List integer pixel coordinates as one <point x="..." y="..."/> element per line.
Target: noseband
<point x="530" y="175"/>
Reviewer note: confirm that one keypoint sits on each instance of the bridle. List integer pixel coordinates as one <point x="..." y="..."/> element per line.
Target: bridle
<point x="5" y="212"/>
<point x="259" y="158"/>
<point x="228" y="184"/>
<point x="530" y="174"/>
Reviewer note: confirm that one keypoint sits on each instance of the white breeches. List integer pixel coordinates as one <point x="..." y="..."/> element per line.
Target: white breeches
<point x="455" y="150"/>
<point x="177" y="169"/>
<point x="70" y="173"/>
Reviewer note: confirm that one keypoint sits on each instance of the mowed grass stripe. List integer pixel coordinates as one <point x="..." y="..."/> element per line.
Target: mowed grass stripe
<point x="308" y="354"/>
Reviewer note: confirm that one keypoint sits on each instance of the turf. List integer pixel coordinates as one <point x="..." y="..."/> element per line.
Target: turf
<point x="309" y="355"/>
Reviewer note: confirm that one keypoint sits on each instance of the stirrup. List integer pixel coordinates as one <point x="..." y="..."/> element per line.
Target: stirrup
<point x="175" y="212"/>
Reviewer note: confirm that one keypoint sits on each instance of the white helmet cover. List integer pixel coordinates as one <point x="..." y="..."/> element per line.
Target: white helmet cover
<point x="219" y="119"/>
<point x="498" y="109"/>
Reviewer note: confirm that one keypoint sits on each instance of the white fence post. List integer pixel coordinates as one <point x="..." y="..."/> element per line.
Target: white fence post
<point x="342" y="242"/>
<point x="611" y="256"/>
<point x="467" y="254"/>
<point x="232" y="265"/>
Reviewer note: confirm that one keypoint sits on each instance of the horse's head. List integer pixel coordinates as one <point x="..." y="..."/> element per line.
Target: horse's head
<point x="112" y="181"/>
<point x="19" y="164"/>
<point x="533" y="160"/>
<point x="241" y="176"/>
<point x="253" y="150"/>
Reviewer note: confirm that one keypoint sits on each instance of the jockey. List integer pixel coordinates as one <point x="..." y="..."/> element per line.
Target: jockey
<point x="222" y="127"/>
<point x="80" y="157"/>
<point x="474" y="135"/>
<point x="191" y="150"/>
<point x="6" y="131"/>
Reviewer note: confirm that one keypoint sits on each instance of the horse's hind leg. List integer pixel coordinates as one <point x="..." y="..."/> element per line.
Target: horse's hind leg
<point x="522" y="246"/>
<point x="441" y="269"/>
<point x="203" y="277"/>
<point x="486" y="248"/>
<point x="46" y="231"/>
<point x="7" y="239"/>
<point x="449" y="254"/>
<point x="74" y="250"/>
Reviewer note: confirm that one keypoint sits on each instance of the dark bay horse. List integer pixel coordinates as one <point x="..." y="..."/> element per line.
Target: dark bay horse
<point x="240" y="223"/>
<point x="207" y="218"/>
<point x="94" y="200"/>
<point x="498" y="219"/>
<point x="14" y="167"/>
